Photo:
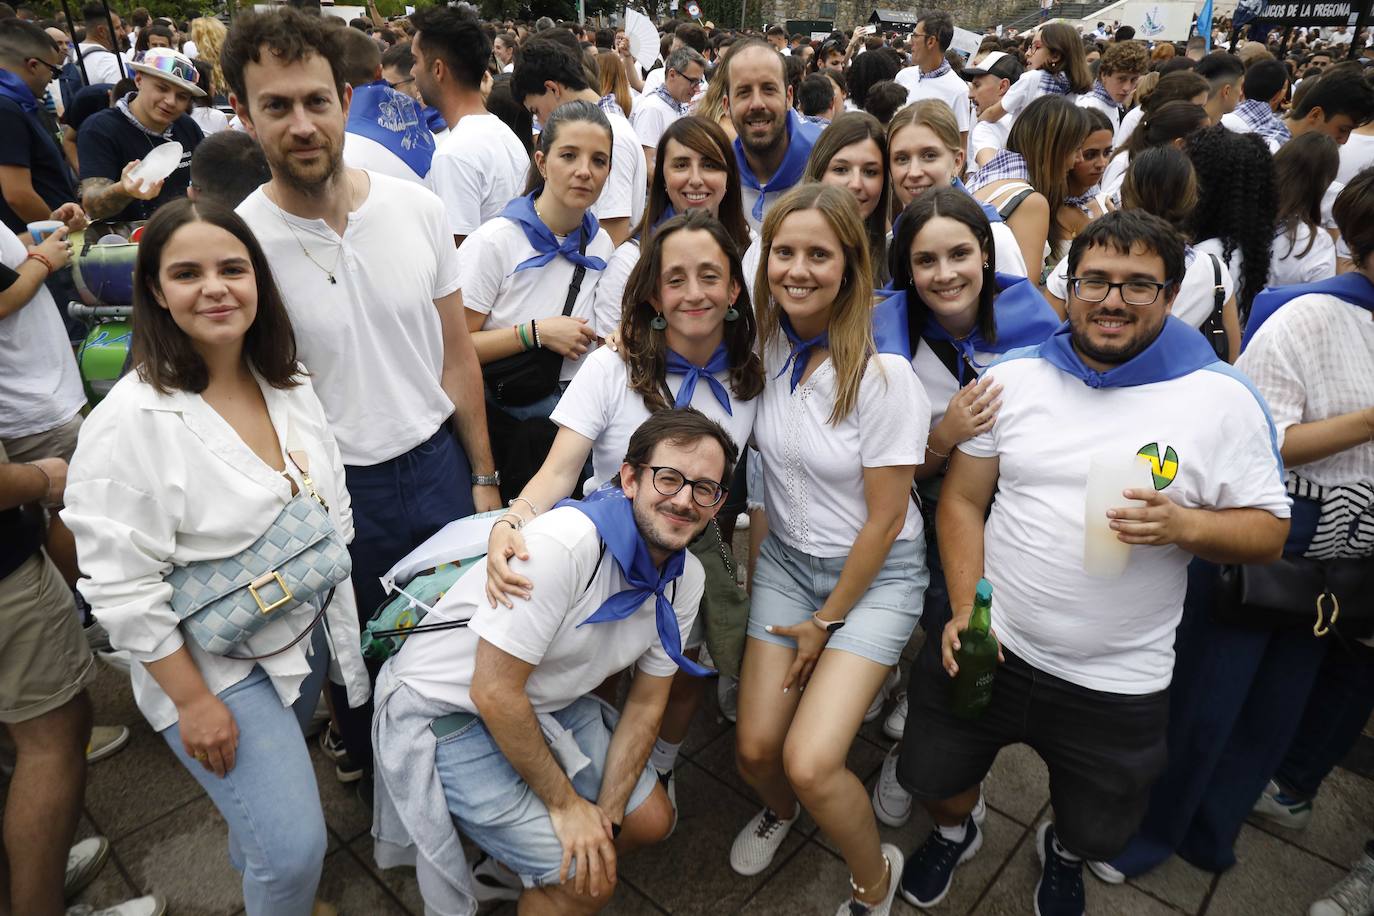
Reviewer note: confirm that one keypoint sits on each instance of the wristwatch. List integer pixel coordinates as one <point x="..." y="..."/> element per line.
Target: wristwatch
<point x="829" y="626"/>
<point x="487" y="480"/>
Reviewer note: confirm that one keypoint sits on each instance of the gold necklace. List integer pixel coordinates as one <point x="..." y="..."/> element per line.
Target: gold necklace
<point x="328" y="271"/>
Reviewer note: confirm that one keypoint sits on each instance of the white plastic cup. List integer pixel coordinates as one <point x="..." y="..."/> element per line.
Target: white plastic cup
<point x="41" y="229"/>
<point x="1105" y="556"/>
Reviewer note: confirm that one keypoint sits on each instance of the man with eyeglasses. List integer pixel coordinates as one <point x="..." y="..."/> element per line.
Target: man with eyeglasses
<point x="542" y="775"/>
<point x="658" y="108"/>
<point x="930" y="76"/>
<point x="1086" y="662"/>
<point x="34" y="179"/>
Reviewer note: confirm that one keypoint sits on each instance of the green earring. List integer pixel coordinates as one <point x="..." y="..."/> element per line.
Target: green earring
<point x="732" y="314"/>
<point x="658" y="322"/>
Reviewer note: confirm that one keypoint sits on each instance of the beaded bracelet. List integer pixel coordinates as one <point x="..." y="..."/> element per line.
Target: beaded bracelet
<point x="534" y="329"/>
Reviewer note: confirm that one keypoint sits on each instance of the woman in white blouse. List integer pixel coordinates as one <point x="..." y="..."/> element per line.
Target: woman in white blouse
<point x="185" y="461"/>
<point x="1304" y="168"/>
<point x="840" y="577"/>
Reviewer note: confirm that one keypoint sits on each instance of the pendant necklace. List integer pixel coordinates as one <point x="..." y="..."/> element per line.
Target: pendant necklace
<point x="328" y="271"/>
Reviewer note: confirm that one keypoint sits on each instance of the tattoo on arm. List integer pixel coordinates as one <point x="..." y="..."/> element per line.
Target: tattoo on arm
<point x="101" y="197"/>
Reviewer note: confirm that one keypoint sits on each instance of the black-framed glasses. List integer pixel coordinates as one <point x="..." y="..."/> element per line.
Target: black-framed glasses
<point x="400" y="83"/>
<point x="1133" y="292"/>
<point x="670" y="481"/>
<point x="54" y="69"/>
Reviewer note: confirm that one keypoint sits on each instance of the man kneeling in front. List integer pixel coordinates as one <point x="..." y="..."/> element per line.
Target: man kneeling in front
<point x="545" y="777"/>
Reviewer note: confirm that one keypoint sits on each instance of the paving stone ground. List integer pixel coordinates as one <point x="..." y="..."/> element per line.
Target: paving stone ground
<point x="168" y="839"/>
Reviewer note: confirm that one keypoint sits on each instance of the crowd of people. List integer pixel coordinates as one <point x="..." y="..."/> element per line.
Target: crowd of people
<point x="877" y="309"/>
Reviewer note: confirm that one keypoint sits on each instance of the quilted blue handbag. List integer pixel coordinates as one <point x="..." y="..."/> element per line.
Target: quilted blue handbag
<point x="295" y="564"/>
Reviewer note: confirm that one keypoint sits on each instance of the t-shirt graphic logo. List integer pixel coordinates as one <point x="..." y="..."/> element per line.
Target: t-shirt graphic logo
<point x="1163" y="468"/>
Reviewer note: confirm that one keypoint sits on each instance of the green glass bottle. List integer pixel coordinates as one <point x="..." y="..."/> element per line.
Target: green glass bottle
<point x="977" y="658"/>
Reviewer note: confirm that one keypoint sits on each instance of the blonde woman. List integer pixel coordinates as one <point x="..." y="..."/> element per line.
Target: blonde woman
<point x="208" y="36"/>
<point x="840" y="577"/>
<point x="614" y="87"/>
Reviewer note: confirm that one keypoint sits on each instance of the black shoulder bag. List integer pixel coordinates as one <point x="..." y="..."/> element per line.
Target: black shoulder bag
<point x="1212" y="328"/>
<point x="524" y="378"/>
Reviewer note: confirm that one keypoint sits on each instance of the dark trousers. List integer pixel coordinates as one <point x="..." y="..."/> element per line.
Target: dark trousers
<point x="1337" y="710"/>
<point x="1237" y="698"/>
<point x="397" y="506"/>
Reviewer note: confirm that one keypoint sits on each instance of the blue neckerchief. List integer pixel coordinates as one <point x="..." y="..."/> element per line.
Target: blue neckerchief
<point x="1178" y="350"/>
<point x="1102" y="95"/>
<point x="801" y="350"/>
<point x="667" y="97"/>
<point x="788" y="173"/>
<point x="521" y="211"/>
<point x="1020" y="314"/>
<point x="433" y="120"/>
<point x="938" y="71"/>
<point x="17" y="91"/>
<point x="614" y="518"/>
<point x="1354" y="288"/>
<point x="393" y="120"/>
<point x="719" y="362"/>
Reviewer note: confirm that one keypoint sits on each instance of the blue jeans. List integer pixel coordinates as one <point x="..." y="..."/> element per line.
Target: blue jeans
<point x="397" y="506"/>
<point x="269" y="799"/>
<point x="1337" y="711"/>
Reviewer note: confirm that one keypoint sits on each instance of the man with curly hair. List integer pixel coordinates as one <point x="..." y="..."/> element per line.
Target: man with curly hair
<point x="1121" y="67"/>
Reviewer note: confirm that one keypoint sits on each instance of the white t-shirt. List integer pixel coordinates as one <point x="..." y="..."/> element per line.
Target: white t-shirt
<point x="1356" y="154"/>
<point x="939" y="383"/>
<point x="1114" y="176"/>
<point x="813" y="485"/>
<point x="365" y="153"/>
<point x="626" y="188"/>
<point x="1128" y="125"/>
<point x="1288" y="264"/>
<point x="987" y="135"/>
<point x="610" y="289"/>
<point x="1113" y="635"/>
<point x="1197" y="296"/>
<point x="1028" y="88"/>
<point x="491" y="285"/>
<point x="570" y="660"/>
<point x="210" y="118"/>
<point x="1235" y="264"/>
<point x="948" y="87"/>
<point x="476" y="171"/>
<point x="372" y="342"/>
<point x="600" y="406"/>
<point x="40" y="385"/>
<point x="102" y="65"/>
<point x="651" y="116"/>
<point x="1110" y="109"/>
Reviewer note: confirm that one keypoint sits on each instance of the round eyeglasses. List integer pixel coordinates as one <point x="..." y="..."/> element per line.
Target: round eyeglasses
<point x="670" y="481"/>
<point x="1133" y="292"/>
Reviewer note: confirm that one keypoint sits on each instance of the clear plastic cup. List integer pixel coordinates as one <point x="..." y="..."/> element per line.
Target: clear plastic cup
<point x="41" y="229"/>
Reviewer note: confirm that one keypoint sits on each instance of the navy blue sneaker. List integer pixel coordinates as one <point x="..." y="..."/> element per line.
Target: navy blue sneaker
<point x="1060" y="891"/>
<point x="930" y="869"/>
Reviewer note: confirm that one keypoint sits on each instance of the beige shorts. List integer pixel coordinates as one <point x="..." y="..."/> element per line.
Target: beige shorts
<point x="58" y="442"/>
<point x="44" y="659"/>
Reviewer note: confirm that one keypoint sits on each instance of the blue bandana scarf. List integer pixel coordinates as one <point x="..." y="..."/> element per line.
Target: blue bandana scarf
<point x="1354" y="288"/>
<point x="393" y="120"/>
<point x="1177" y="351"/>
<point x="719" y="362"/>
<point x="1081" y="201"/>
<point x="521" y="210"/>
<point x="667" y="97"/>
<point x="1021" y="316"/>
<point x="612" y="513"/>
<point x="433" y="120"/>
<point x="788" y="174"/>
<point x="17" y="91"/>
<point x="801" y="351"/>
<point x="937" y="72"/>
<point x="1053" y="83"/>
<point x="1101" y="94"/>
<point x="608" y="103"/>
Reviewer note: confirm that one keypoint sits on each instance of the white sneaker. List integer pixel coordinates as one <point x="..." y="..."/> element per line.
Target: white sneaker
<point x="84" y="861"/>
<point x="895" y="864"/>
<point x="1353" y="895"/>
<point x="669" y="780"/>
<point x="1284" y="810"/>
<point x="493" y="881"/>
<point x="891" y="803"/>
<point x="142" y="906"/>
<point x="759" y="841"/>
<point x="106" y="740"/>
<point x="1104" y="871"/>
<point x="890" y="683"/>
<point x="727" y="696"/>
<point x="895" y="723"/>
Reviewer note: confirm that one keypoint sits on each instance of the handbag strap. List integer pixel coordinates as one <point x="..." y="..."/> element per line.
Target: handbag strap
<point x="1213" y="328"/>
<point x="324" y="606"/>
<point x="302" y="462"/>
<point x="575" y="286"/>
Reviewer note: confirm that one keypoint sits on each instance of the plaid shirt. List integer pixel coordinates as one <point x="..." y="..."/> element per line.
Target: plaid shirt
<point x="680" y="107"/>
<point x="1260" y="118"/>
<point x="1100" y="93"/>
<point x="1081" y="201"/>
<point x="1004" y="166"/>
<point x="1054" y="83"/>
<point x="608" y="103"/>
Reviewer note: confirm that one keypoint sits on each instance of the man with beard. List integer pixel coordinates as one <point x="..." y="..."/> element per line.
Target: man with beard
<point x="480" y="164"/>
<point x="1086" y="662"/>
<point x="536" y="770"/>
<point x="367" y="268"/>
<point x="772" y="141"/>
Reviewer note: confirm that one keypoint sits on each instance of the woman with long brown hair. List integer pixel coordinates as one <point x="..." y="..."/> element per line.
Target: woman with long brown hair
<point x="852" y="154"/>
<point x="614" y="88"/>
<point x="1055" y="66"/>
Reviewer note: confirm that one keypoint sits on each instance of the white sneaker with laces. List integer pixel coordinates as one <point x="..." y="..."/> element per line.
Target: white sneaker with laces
<point x="891" y="803"/>
<point x="895" y="723"/>
<point x="890" y="683"/>
<point x="1105" y="872"/>
<point x="759" y="841"/>
<point x="141" y="906"/>
<point x="895" y="863"/>
<point x="1353" y="895"/>
<point x="84" y="861"/>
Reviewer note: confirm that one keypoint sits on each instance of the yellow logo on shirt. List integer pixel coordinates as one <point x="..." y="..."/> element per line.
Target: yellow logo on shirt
<point x="1163" y="469"/>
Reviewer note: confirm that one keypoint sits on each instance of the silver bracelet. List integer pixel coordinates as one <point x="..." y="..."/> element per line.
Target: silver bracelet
<point x="521" y="499"/>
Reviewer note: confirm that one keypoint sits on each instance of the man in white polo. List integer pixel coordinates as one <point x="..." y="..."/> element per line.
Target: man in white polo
<point x="931" y="76"/>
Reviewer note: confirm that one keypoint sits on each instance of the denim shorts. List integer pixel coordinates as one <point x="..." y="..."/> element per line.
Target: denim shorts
<point x="494" y="807"/>
<point x="790" y="586"/>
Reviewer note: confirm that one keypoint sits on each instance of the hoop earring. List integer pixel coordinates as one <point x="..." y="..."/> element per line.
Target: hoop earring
<point x="732" y="314"/>
<point x="658" y="322"/>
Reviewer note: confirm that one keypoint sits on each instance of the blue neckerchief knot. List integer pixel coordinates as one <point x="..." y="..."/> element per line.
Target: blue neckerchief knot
<point x="17" y="91"/>
<point x="1353" y="287"/>
<point x="541" y="238"/>
<point x="613" y="515"/>
<point x="393" y="120"/>
<point x="788" y="174"/>
<point x="719" y="362"/>
<point x="801" y="350"/>
<point x="1178" y="351"/>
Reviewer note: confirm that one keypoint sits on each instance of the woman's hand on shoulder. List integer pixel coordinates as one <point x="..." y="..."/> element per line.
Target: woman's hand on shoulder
<point x="971" y="412"/>
<point x="504" y="543"/>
